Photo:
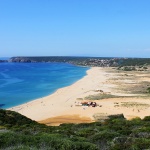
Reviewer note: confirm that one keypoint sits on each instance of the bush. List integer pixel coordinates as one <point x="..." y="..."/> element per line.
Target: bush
<point x="146" y="118"/>
<point x="115" y="133"/>
<point x="148" y="89"/>
<point x="119" y="116"/>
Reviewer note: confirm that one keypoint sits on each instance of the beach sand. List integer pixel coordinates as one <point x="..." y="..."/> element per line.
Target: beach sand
<point x="63" y="106"/>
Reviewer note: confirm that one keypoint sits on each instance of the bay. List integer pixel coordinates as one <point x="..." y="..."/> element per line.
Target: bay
<point x="23" y="82"/>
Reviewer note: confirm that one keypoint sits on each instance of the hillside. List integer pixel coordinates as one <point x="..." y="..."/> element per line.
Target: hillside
<point x="82" y="61"/>
<point x="19" y="132"/>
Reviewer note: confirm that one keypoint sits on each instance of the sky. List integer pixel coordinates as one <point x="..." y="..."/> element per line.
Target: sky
<point x="100" y="28"/>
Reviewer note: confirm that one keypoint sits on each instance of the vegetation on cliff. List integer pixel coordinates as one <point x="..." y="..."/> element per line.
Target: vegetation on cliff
<point x="86" y="61"/>
<point x="115" y="133"/>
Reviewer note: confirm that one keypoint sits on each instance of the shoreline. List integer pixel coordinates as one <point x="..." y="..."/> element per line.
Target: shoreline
<point x="77" y="89"/>
<point x="61" y="106"/>
<point x="36" y="83"/>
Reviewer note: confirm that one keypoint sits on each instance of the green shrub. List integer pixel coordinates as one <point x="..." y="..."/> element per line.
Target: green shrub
<point x="85" y="132"/>
<point x="115" y="133"/>
<point x="148" y="89"/>
<point x="146" y="118"/>
<point x="119" y="116"/>
<point x="145" y="67"/>
<point x="104" y="136"/>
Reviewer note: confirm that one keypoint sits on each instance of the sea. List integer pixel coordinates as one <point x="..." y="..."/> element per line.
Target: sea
<point x="24" y="82"/>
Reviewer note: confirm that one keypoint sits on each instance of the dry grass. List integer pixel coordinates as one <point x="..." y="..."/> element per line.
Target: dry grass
<point x="133" y="83"/>
<point x="79" y="98"/>
<point x="100" y="117"/>
<point x="100" y="96"/>
<point x="134" y="104"/>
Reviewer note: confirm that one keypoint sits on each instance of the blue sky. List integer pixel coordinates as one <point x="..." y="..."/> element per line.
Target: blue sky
<point x="114" y="28"/>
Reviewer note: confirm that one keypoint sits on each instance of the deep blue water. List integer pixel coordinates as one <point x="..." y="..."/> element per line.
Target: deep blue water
<point x="23" y="82"/>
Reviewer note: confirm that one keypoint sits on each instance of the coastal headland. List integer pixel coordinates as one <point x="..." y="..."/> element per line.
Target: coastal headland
<point x="114" y="92"/>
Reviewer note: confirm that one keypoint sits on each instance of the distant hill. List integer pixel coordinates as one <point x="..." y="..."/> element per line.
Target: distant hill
<point x="82" y="61"/>
<point x="86" y="61"/>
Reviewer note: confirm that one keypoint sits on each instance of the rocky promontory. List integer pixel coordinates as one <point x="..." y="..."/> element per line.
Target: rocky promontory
<point x="82" y="61"/>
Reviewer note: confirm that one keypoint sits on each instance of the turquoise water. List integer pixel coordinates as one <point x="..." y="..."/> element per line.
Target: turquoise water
<point x="23" y="82"/>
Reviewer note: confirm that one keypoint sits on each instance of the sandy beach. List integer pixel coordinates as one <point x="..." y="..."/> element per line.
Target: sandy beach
<point x="64" y="106"/>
